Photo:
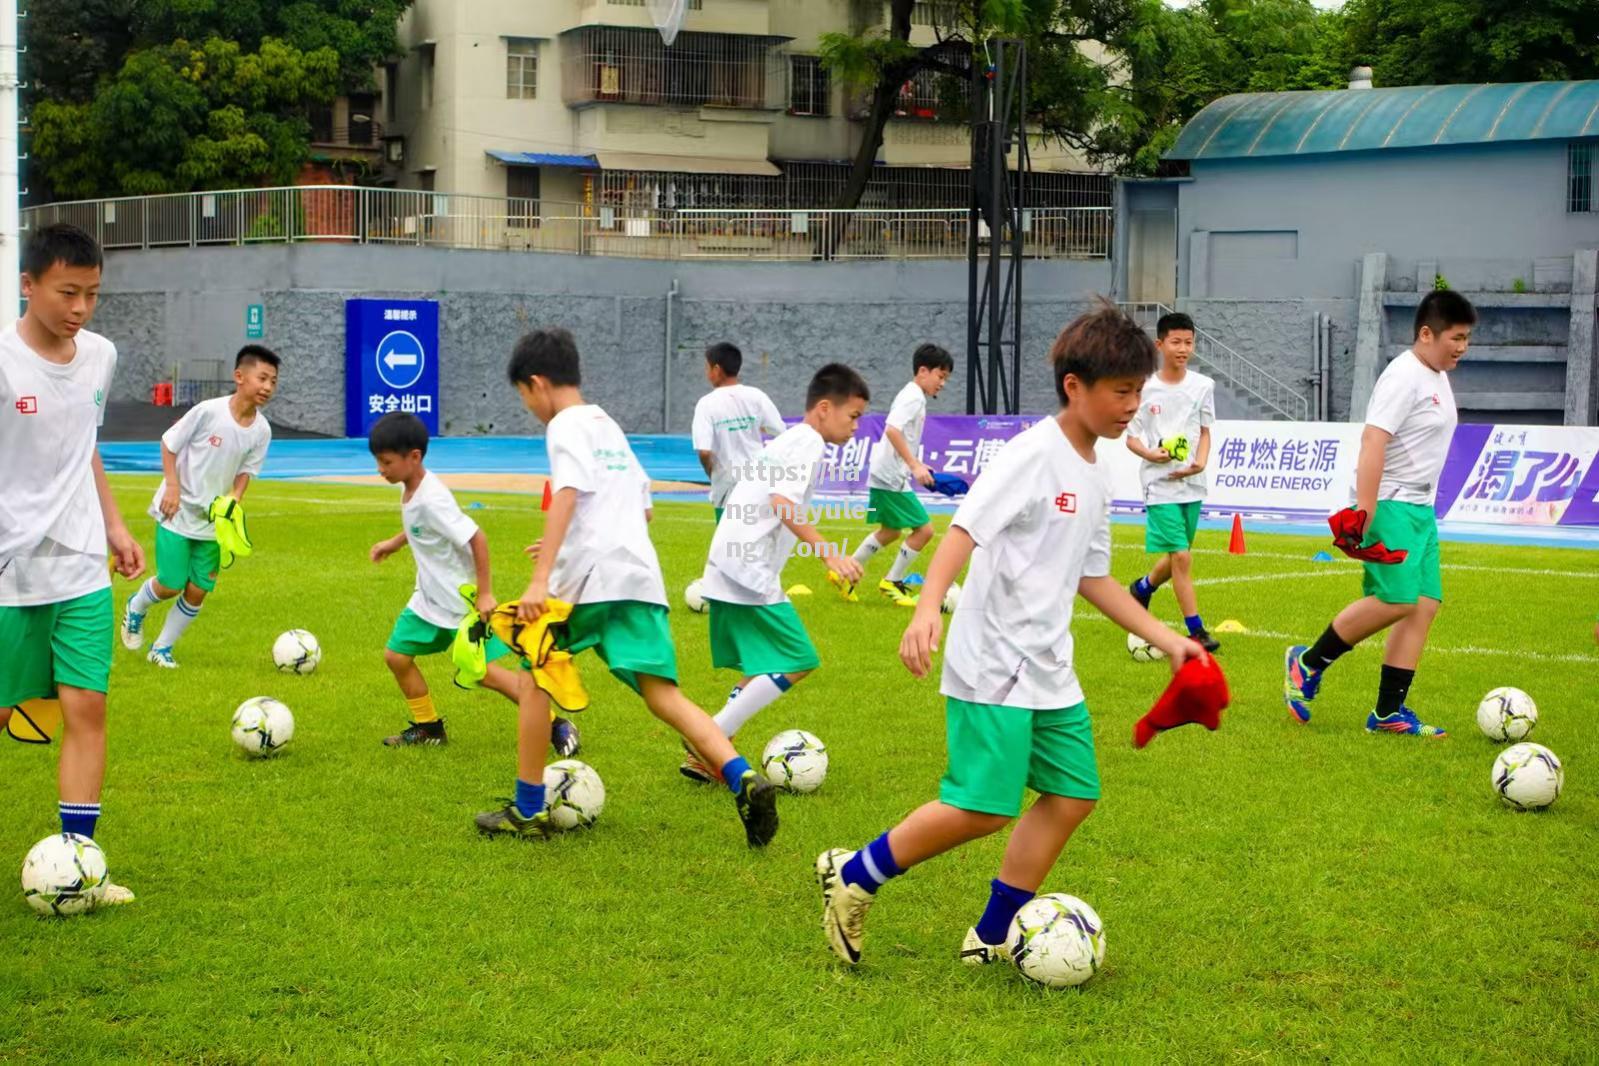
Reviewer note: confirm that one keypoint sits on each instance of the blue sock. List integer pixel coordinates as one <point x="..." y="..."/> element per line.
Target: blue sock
<point x="1194" y="623"/>
<point x="1144" y="587"/>
<point x="529" y="798"/>
<point x="1003" y="903"/>
<point x="733" y="773"/>
<point x="872" y="866"/>
<point x="79" y="818"/>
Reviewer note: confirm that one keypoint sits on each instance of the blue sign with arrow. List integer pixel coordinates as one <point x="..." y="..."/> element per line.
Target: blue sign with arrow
<point x="391" y="362"/>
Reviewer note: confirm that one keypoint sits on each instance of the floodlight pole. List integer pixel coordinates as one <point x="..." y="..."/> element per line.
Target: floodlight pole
<point x="10" y="164"/>
<point x="994" y="270"/>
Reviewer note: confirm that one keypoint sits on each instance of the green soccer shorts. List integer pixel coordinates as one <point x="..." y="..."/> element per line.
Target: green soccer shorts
<point x="996" y="753"/>
<point x="1170" y="527"/>
<point x="52" y="644"/>
<point x="181" y="560"/>
<point x="764" y="639"/>
<point x="895" y="510"/>
<point x="630" y="636"/>
<point x="1413" y="528"/>
<point x="414" y="635"/>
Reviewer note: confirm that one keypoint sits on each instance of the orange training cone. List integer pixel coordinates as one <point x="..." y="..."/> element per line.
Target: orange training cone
<point x="548" y="496"/>
<point x="1235" y="543"/>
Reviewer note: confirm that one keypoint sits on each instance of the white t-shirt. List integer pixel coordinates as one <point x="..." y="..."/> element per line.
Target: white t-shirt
<point x="1040" y="515"/>
<point x="52" y="531"/>
<point x="728" y="423"/>
<point x="1168" y="410"/>
<point x="607" y="554"/>
<point x="1415" y="403"/>
<point x="752" y="544"/>
<point x="440" y="536"/>
<point x="907" y="414"/>
<point x="212" y="449"/>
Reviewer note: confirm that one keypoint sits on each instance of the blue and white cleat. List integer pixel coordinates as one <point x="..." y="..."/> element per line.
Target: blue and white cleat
<point x="1405" y="723"/>
<point x="132" y="630"/>
<point x="162" y="657"/>
<point x="1299" y="685"/>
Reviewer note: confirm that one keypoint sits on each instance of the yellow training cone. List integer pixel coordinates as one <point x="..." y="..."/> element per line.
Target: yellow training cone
<point x="1232" y="625"/>
<point x="799" y="590"/>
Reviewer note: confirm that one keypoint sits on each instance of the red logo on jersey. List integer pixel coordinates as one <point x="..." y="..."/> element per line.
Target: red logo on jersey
<point x="28" y="405"/>
<point x="1154" y="408"/>
<point x="216" y="441"/>
<point x="1066" y="502"/>
<point x="1435" y="401"/>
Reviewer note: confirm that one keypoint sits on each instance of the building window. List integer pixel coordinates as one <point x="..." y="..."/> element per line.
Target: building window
<point x="425" y="55"/>
<point x="391" y="92"/>
<point x="1580" y="178"/>
<point x="521" y="69"/>
<point x="809" y="88"/>
<point x="522" y="194"/>
<point x="361" y="128"/>
<point x="932" y="95"/>
<point x="939" y="13"/>
<point x="634" y="66"/>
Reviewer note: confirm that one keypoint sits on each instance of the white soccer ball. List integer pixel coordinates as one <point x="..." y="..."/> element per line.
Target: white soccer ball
<point x="952" y="598"/>
<point x="1507" y="714"/>
<point x="62" y="874"/>
<point x="1057" y="940"/>
<point x="296" y="652"/>
<point x="1142" y="650"/>
<point x="573" y="793"/>
<point x="692" y="597"/>
<point x="795" y="760"/>
<point x="262" y="725"/>
<point x="1528" y="776"/>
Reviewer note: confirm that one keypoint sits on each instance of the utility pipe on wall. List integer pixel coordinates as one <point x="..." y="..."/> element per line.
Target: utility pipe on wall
<point x="666" y="361"/>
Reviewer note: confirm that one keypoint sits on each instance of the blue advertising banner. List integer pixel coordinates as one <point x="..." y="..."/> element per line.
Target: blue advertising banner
<point x="391" y="362"/>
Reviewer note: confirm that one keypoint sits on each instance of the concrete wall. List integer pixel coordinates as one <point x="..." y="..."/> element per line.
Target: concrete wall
<point x="168" y="306"/>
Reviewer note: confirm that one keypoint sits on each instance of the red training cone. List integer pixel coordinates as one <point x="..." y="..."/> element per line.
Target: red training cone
<point x="548" y="496"/>
<point x="1235" y="543"/>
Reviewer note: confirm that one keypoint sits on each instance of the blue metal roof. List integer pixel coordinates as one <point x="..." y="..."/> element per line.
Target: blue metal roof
<point x="1248" y="125"/>
<point x="541" y="159"/>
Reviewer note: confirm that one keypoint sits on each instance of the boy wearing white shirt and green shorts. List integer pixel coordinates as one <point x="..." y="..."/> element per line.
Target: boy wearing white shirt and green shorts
<point x="729" y="421"/>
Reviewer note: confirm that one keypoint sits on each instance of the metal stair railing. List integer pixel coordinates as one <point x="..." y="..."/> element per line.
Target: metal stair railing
<point x="1229" y="367"/>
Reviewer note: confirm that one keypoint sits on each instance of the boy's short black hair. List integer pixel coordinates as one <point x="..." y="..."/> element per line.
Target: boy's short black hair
<point x="1442" y="308"/>
<point x="399" y="432"/>
<point x="1104" y="343"/>
<point x="932" y="357"/>
<point x="550" y="354"/>
<point x="1170" y="321"/>
<point x="256" y="353"/>
<point x="725" y="356"/>
<point x="59" y="242"/>
<point x="838" y="383"/>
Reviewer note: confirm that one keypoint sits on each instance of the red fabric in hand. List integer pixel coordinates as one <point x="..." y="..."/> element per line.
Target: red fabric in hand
<point x="1197" y="693"/>
<point x="1349" y="530"/>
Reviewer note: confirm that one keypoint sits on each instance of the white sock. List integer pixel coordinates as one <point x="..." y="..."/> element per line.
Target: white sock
<point x="145" y="598"/>
<point x="902" y="562"/>
<point x="178" y="619"/>
<point x="746" y="702"/>
<point x="869" y="547"/>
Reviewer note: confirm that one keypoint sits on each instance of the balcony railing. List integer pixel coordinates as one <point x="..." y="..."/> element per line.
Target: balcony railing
<point x="357" y="215"/>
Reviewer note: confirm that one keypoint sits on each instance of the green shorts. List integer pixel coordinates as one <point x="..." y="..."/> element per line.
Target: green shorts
<point x="1170" y="527"/>
<point x="414" y="635"/>
<point x="630" y="636"/>
<point x="181" y="560"/>
<point x="718" y="511"/>
<point x="1412" y="527"/>
<point x="66" y="643"/>
<point x="996" y="753"/>
<point x="895" y="510"/>
<point x="766" y="639"/>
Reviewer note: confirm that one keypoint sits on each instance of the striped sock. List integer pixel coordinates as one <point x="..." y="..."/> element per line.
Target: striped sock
<point x="79" y="818"/>
<point x="422" y="710"/>
<point x="144" y="599"/>
<point x="872" y="866"/>
<point x="745" y="703"/>
<point x="183" y="612"/>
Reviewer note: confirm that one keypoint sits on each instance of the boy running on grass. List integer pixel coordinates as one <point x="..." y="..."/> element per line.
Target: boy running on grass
<point x="754" y="627"/>
<point x="213" y="450"/>
<point x="450" y="551"/>
<point x="58" y="518"/>
<point x="1036" y="528"/>
<point x="729" y="421"/>
<point x="596" y="555"/>
<point x="1171" y="434"/>
<point x="1409" y="423"/>
<point x="896" y="469"/>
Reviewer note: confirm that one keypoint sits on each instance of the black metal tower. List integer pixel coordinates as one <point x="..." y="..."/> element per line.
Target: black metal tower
<point x="994" y="235"/>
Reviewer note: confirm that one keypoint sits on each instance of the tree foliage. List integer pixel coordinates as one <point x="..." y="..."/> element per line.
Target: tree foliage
<point x="1439" y="42"/>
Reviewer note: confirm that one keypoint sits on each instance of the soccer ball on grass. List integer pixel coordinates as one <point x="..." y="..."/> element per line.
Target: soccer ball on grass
<point x="62" y="875"/>
<point x="692" y="597"/>
<point x="1507" y="714"/>
<point x="574" y="795"/>
<point x="262" y="725"/>
<point x="296" y="652"/>
<point x="1142" y="650"/>
<point x="795" y="760"/>
<point x="1057" y="941"/>
<point x="1528" y="776"/>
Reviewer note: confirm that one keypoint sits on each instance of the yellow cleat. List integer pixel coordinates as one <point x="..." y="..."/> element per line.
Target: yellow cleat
<point x="846" y="589"/>
<point x="898" y="593"/>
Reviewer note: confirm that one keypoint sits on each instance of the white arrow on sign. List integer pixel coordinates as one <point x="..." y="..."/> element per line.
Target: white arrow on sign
<point x="394" y="359"/>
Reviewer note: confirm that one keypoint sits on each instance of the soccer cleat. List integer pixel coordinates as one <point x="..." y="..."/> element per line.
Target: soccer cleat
<point x="975" y="952"/>
<point x="1405" y="723"/>
<point x="695" y="770"/>
<point x="757" y="808"/>
<point x="846" y="589"/>
<point x="112" y="895"/>
<point x="132" y="630"/>
<point x="1140" y="597"/>
<point x="1299" y="684"/>
<point x="898" y="593"/>
<point x="426" y="733"/>
<point x="844" y="905"/>
<point x="564" y="738"/>
<point x="508" y="822"/>
<point x="162" y="657"/>
<point x="1203" y="638"/>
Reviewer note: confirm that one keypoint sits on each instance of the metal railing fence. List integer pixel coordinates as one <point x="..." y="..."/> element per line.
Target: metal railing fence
<point x="1231" y="368"/>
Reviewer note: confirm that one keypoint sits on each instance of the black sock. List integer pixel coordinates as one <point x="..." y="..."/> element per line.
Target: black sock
<point x="1392" y="689"/>
<point x="1322" y="654"/>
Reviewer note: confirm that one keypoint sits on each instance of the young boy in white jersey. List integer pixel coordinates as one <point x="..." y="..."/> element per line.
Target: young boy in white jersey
<point x="1409" y="423"/>
<point x="58" y="518"/>
<point x="450" y="551"/>
<point x="213" y="450"/>
<point x="1036" y="527"/>
<point x="896" y="468"/>
<point x="754" y="628"/>
<point x="596" y="555"/>
<point x="1171" y="434"/>
<point x="729" y="421"/>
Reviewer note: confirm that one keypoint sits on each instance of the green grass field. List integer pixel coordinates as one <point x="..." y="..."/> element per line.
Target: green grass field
<point x="1270" y="891"/>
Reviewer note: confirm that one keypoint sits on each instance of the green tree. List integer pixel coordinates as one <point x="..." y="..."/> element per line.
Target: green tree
<point x="1441" y="42"/>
